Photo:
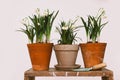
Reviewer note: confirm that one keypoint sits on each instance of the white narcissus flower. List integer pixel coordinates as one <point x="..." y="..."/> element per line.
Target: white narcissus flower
<point x="45" y="13"/>
<point x="25" y="21"/>
<point x="37" y="11"/>
<point x="38" y="24"/>
<point x="73" y="27"/>
<point x="65" y="28"/>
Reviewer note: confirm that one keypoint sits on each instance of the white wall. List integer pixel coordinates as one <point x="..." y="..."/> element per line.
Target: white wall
<point x="14" y="58"/>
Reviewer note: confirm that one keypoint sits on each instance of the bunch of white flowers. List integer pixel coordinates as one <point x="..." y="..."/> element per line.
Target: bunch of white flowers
<point x="65" y="27"/>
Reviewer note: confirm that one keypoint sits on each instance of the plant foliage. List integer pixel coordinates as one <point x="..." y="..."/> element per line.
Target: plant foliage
<point x="67" y="31"/>
<point x="40" y="26"/>
<point x="93" y="26"/>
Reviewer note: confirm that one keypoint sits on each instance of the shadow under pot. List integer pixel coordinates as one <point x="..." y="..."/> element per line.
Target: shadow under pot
<point x="66" y="54"/>
<point x="40" y="54"/>
<point x="92" y="53"/>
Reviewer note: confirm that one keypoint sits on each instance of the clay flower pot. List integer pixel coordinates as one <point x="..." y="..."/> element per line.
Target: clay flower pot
<point x="93" y="53"/>
<point x="40" y="54"/>
<point x="66" y="54"/>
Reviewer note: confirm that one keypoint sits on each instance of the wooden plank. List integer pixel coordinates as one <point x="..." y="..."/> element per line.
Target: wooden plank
<point x="53" y="72"/>
<point x="107" y="78"/>
<point x="29" y="78"/>
<point x="105" y="74"/>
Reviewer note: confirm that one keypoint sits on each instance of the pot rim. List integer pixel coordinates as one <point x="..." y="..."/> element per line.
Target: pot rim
<point x="66" y="47"/>
<point x="93" y="43"/>
<point x="66" y="44"/>
<point x="38" y="43"/>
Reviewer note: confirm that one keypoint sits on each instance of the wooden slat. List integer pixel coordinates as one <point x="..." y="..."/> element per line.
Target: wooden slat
<point x="104" y="73"/>
<point x="29" y="78"/>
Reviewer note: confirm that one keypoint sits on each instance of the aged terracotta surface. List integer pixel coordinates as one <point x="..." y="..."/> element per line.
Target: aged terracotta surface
<point x="40" y="55"/>
<point x="66" y="54"/>
<point x="93" y="53"/>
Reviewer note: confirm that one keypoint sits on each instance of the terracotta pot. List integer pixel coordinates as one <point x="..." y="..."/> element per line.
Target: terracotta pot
<point x="93" y="53"/>
<point x="66" y="54"/>
<point x="40" y="55"/>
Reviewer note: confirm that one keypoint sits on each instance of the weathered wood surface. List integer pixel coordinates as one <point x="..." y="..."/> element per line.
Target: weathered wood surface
<point x="107" y="78"/>
<point x="29" y="78"/>
<point x="105" y="74"/>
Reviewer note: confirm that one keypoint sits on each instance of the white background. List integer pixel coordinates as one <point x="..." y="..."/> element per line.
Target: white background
<point x="14" y="58"/>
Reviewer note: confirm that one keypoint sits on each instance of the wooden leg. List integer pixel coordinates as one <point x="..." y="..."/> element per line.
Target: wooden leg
<point x="32" y="78"/>
<point x="29" y="78"/>
<point x="107" y="78"/>
<point x="26" y="78"/>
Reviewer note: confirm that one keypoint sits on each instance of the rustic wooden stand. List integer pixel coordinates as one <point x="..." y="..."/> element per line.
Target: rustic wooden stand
<point x="105" y="74"/>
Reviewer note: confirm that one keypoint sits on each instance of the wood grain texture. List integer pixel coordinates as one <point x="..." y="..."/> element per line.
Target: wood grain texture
<point x="105" y="74"/>
<point x="29" y="78"/>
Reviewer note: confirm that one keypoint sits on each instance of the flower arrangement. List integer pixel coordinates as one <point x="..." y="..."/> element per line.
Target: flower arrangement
<point x="39" y="26"/>
<point x="67" y="31"/>
<point x="94" y="25"/>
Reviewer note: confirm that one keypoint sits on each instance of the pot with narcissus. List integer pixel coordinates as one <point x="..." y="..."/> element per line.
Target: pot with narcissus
<point x="66" y="52"/>
<point x="93" y="51"/>
<point x="38" y="32"/>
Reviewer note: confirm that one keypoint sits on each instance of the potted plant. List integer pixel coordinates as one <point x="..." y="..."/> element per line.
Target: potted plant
<point x="38" y="30"/>
<point x="93" y="51"/>
<point x="66" y="50"/>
